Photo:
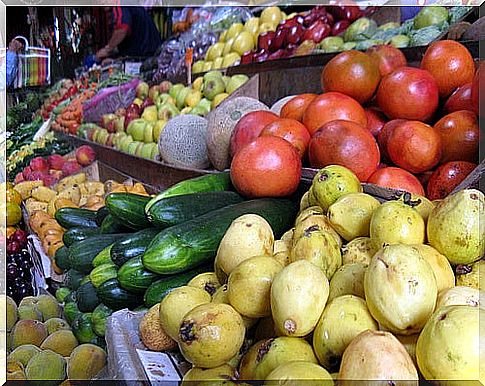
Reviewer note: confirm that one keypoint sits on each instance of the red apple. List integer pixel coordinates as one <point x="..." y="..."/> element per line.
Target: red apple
<point x="249" y="128"/>
<point x="39" y="164"/>
<point x="147" y="102"/>
<point x="279" y="39"/>
<point x="294" y="34"/>
<point x="265" y="40"/>
<point x="317" y="31"/>
<point x="85" y="155"/>
<point x="19" y="178"/>
<point x="340" y="27"/>
<point x="27" y="172"/>
<point x="261" y="56"/>
<point x="56" y="161"/>
<point x="247" y="57"/>
<point x="281" y="53"/>
<point x="70" y="167"/>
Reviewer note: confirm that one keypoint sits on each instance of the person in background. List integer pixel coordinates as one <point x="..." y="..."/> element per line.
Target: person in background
<point x="134" y="34"/>
<point x="9" y="67"/>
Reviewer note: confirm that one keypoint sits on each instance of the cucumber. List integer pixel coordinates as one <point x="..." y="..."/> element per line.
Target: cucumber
<point x="87" y="298"/>
<point x="159" y="289"/>
<point x="128" y="209"/>
<point x="192" y="243"/>
<point x="207" y="183"/>
<point x="116" y="298"/>
<point x="78" y="234"/>
<point x="101" y="214"/>
<point x="103" y="257"/>
<point x="111" y="225"/>
<point x="178" y="209"/>
<point x="82" y="253"/>
<point x="103" y="273"/>
<point x="132" y="246"/>
<point x="134" y="277"/>
<point x="82" y="328"/>
<point x="61" y="258"/>
<point x="76" y="218"/>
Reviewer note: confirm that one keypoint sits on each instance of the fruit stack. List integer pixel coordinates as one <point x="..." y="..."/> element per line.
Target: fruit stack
<point x="352" y="282"/>
<point x="396" y="126"/>
<point x="42" y="346"/>
<point x="137" y="129"/>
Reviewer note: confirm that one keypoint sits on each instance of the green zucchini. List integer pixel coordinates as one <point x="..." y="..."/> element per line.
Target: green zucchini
<point x="128" y="209"/>
<point x="111" y="225"/>
<point x="116" y="298"/>
<point x="87" y="298"/>
<point x="102" y="273"/>
<point x="192" y="243"/>
<point x="61" y="258"/>
<point x="76" y="218"/>
<point x="178" y="209"/>
<point x="101" y="214"/>
<point x="159" y="289"/>
<point x="82" y="253"/>
<point x="215" y="182"/>
<point x="99" y="318"/>
<point x="78" y="234"/>
<point x="73" y="279"/>
<point x="103" y="257"/>
<point x="132" y="245"/>
<point x="134" y="277"/>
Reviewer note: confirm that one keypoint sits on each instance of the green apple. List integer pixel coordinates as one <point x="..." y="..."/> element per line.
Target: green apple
<point x="150" y="113"/>
<point x="167" y="111"/>
<point x="157" y="129"/>
<point x="148" y="132"/>
<point x="117" y="139"/>
<point x="197" y="84"/>
<point x="164" y="98"/>
<point x="139" y="149"/>
<point x="192" y="98"/>
<point x="252" y="25"/>
<point x="218" y="63"/>
<point x="218" y="100"/>
<point x="132" y="147"/>
<point x="146" y="151"/>
<point x="186" y="110"/>
<point x="136" y="128"/>
<point x="95" y="134"/>
<point x="271" y="15"/>
<point x="213" y="86"/>
<point x="235" y="82"/>
<point x="138" y="101"/>
<point x="265" y="27"/>
<point x="230" y="59"/>
<point x="207" y="66"/>
<point x="228" y="47"/>
<point x="214" y="51"/>
<point x="175" y="89"/>
<point x="180" y="100"/>
<point x="103" y="137"/>
<point x="234" y="30"/>
<point x="154" y="92"/>
<point x="226" y="80"/>
<point x="142" y="90"/>
<point x="198" y="66"/>
<point x="120" y="124"/>
<point x="125" y="142"/>
<point x="243" y="42"/>
<point x="222" y="36"/>
<point x="155" y="153"/>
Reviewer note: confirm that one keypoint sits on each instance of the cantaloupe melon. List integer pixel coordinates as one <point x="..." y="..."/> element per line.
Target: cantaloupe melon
<point x="221" y="122"/>
<point x="276" y="108"/>
<point x="182" y="142"/>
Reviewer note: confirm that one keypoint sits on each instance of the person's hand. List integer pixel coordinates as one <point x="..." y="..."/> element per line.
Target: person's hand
<point x="15" y="46"/>
<point x="103" y="53"/>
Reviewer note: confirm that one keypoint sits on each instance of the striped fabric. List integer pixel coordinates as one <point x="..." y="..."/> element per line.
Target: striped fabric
<point x="33" y="67"/>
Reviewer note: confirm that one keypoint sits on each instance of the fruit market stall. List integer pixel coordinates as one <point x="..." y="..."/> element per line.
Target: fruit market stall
<point x="293" y="218"/>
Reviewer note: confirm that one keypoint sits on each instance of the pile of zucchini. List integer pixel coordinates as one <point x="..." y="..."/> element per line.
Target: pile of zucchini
<point x="133" y="251"/>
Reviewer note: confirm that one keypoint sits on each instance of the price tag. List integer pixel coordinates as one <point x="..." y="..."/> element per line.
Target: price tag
<point x="158" y="367"/>
<point x="189" y="58"/>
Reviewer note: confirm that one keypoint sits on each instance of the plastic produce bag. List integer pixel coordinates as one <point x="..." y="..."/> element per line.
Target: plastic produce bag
<point x="109" y="100"/>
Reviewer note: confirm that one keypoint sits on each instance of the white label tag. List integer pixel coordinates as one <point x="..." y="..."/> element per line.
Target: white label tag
<point x="132" y="68"/>
<point x="158" y="366"/>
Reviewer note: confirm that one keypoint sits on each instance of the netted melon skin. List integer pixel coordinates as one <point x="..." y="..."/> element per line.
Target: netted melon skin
<point x="221" y="123"/>
<point x="182" y="142"/>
